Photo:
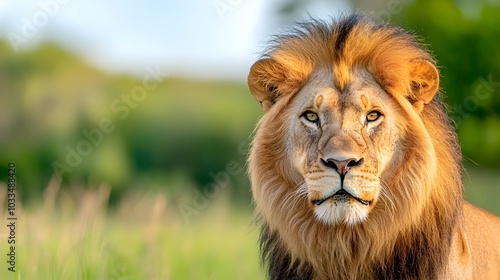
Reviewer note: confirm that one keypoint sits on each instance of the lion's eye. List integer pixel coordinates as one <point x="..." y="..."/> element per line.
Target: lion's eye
<point x="310" y="116"/>
<point x="373" y="116"/>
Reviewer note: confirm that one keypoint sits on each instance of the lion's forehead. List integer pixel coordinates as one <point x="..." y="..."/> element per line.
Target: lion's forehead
<point x="361" y="93"/>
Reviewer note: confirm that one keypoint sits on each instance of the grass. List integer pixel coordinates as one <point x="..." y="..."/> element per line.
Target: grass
<point x="144" y="238"/>
<point x="73" y="235"/>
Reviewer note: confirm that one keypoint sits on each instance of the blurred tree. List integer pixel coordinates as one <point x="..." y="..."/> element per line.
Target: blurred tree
<point x="179" y="137"/>
<point x="467" y="47"/>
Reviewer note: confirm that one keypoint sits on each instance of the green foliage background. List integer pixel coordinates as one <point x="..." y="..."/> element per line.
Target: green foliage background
<point x="182" y="132"/>
<point x="467" y="48"/>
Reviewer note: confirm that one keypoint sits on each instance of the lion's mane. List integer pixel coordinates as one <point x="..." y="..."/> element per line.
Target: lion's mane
<point x="426" y="187"/>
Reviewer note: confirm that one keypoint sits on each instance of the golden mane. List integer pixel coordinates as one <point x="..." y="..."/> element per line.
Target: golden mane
<point x="426" y="187"/>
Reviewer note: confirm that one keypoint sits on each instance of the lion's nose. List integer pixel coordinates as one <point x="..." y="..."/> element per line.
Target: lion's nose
<point x="341" y="166"/>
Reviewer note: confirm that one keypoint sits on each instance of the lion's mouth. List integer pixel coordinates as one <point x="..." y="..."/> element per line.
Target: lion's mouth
<point x="341" y="194"/>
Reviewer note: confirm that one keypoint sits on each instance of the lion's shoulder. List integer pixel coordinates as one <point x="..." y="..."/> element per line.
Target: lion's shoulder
<point x="482" y="230"/>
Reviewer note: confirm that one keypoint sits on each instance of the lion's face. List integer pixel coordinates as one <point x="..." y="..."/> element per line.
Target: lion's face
<point x="343" y="142"/>
<point x="342" y="122"/>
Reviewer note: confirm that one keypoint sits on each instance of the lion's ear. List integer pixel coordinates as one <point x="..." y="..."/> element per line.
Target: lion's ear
<point x="264" y="76"/>
<point x="269" y="80"/>
<point x="424" y="82"/>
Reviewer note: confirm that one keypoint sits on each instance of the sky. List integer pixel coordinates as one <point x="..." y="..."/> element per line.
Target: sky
<point x="197" y="38"/>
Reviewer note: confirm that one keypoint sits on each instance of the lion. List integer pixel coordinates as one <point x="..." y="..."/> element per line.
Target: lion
<point x="356" y="172"/>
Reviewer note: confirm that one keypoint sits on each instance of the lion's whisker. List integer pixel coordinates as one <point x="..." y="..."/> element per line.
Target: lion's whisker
<point x="387" y="197"/>
<point x="300" y="191"/>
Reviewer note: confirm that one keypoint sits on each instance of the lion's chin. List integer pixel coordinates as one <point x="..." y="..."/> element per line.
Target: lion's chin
<point x="335" y="212"/>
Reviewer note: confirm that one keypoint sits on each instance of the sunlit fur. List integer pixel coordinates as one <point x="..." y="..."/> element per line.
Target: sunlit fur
<point x="412" y="161"/>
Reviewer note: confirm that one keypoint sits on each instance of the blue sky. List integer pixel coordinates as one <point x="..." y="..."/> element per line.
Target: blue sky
<point x="200" y="38"/>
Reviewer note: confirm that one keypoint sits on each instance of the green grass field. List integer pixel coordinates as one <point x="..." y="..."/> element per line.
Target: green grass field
<point x="144" y="238"/>
<point x="73" y="235"/>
